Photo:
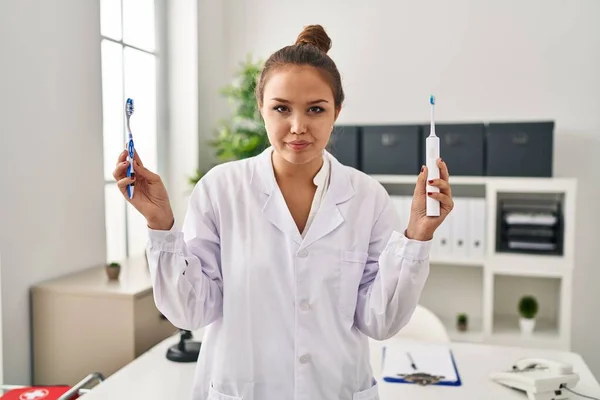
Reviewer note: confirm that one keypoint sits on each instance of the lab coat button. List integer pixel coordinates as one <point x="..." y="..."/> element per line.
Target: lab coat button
<point x="305" y="306"/>
<point x="305" y="358"/>
<point x="302" y="253"/>
<point x="170" y="238"/>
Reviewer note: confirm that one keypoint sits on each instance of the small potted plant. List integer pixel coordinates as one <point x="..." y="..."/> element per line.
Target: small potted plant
<point x="113" y="270"/>
<point x="462" y="322"/>
<point x="528" y="308"/>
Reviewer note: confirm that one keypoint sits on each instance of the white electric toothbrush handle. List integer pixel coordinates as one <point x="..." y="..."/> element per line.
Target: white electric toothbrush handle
<point x="433" y="172"/>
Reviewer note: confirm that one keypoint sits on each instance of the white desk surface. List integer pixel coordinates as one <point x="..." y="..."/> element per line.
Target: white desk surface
<point x="152" y="377"/>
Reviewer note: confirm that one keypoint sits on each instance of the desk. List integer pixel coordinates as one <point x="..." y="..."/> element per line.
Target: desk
<point x="153" y="377"/>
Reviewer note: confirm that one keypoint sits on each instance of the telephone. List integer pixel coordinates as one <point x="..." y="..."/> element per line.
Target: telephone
<point x="541" y="379"/>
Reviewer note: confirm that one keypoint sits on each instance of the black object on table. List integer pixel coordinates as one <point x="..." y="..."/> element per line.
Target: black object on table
<point x="186" y="350"/>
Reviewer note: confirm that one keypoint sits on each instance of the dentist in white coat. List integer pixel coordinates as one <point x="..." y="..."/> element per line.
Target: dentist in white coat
<point x="290" y="259"/>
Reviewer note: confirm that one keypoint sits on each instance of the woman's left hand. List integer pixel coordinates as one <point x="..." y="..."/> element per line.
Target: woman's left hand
<point x="420" y="226"/>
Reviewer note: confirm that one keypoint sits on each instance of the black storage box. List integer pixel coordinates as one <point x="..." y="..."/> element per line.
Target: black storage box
<point x="520" y="149"/>
<point x="391" y="149"/>
<point x="344" y="145"/>
<point x="462" y="147"/>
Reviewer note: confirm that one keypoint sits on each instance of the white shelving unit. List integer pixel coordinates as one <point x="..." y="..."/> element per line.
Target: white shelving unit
<point x="488" y="287"/>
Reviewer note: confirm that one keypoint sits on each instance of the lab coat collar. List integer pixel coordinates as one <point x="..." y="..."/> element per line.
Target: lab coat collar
<point x="328" y="217"/>
<point x="322" y="176"/>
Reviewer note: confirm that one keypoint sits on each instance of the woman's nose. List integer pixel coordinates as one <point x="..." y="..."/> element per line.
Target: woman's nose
<point x="299" y="125"/>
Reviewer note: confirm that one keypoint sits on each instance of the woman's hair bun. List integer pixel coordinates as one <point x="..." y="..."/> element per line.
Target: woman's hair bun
<point x="316" y="36"/>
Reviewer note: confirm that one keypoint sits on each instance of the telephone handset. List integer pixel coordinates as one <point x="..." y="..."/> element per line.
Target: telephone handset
<point x="556" y="367"/>
<point x="540" y="378"/>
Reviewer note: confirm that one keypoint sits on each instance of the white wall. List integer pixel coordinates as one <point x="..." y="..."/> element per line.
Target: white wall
<point x="197" y="30"/>
<point x="1" y="340"/>
<point x="484" y="61"/>
<point x="214" y="70"/>
<point x="182" y="132"/>
<point x="52" y="194"/>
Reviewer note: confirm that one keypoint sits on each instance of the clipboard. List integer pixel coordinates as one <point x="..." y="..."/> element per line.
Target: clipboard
<point x="420" y="363"/>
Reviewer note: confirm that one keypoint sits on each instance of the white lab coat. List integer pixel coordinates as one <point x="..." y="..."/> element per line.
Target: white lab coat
<point x="286" y="317"/>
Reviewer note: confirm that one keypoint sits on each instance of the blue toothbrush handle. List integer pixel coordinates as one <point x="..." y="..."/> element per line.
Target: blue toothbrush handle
<point x="130" y="171"/>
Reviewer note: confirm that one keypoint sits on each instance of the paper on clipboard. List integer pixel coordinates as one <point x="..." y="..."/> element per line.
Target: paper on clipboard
<point x="432" y="359"/>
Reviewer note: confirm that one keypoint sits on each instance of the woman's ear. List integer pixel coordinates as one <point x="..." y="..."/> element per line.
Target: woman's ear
<point x="336" y="115"/>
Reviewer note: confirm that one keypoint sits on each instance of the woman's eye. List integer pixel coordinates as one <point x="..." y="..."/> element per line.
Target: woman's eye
<point x="280" y="108"/>
<point x="316" y="109"/>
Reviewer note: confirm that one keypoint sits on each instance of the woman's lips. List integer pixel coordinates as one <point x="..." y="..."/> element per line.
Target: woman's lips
<point x="297" y="146"/>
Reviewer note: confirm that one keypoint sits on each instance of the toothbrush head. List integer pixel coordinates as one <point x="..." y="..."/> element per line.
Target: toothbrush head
<point x="432" y="99"/>
<point x="129" y="107"/>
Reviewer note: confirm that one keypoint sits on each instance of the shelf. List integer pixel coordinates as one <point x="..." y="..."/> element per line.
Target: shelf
<point x="473" y="334"/>
<point x="506" y="331"/>
<point x="508" y="290"/>
<point x="511" y="264"/>
<point x="451" y="290"/>
<point x="508" y="326"/>
<point x="411" y="180"/>
<point x="518" y="183"/>
<point x="488" y="285"/>
<point x="518" y="265"/>
<point x="528" y="265"/>
<point x="458" y="261"/>
<point x="540" y="271"/>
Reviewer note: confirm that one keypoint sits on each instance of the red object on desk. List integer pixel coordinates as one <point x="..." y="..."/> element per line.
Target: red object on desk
<point x="37" y="393"/>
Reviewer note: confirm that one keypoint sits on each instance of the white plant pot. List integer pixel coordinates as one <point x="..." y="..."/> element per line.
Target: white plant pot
<point x="527" y="325"/>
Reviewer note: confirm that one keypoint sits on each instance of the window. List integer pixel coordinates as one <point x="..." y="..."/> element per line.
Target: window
<point x="130" y="66"/>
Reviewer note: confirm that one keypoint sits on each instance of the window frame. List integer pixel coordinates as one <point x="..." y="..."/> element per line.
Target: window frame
<point x="160" y="53"/>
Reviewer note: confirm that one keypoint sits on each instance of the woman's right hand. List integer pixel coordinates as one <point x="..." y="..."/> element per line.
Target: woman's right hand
<point x="150" y="196"/>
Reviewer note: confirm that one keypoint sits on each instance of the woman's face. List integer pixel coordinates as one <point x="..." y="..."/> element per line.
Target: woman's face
<point x="299" y="113"/>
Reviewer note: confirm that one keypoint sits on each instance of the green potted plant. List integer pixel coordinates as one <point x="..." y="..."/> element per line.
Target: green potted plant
<point x="113" y="270"/>
<point x="462" y="322"/>
<point x="528" y="309"/>
<point x="242" y="135"/>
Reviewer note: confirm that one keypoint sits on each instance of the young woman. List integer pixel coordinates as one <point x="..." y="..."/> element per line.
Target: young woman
<point x="289" y="259"/>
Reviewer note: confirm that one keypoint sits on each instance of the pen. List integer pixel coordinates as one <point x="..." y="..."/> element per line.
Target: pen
<point x="412" y="362"/>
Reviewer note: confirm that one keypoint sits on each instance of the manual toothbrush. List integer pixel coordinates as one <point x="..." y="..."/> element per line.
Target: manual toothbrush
<point x="130" y="147"/>
<point x="432" y="145"/>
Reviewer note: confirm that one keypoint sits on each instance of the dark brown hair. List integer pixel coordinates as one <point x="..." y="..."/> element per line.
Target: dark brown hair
<point x="311" y="48"/>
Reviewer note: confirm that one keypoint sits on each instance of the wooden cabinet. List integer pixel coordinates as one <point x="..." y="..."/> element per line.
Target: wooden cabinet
<point x="85" y="323"/>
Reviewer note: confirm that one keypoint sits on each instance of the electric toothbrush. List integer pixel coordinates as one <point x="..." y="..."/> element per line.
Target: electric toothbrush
<point x="130" y="147"/>
<point x="432" y="146"/>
